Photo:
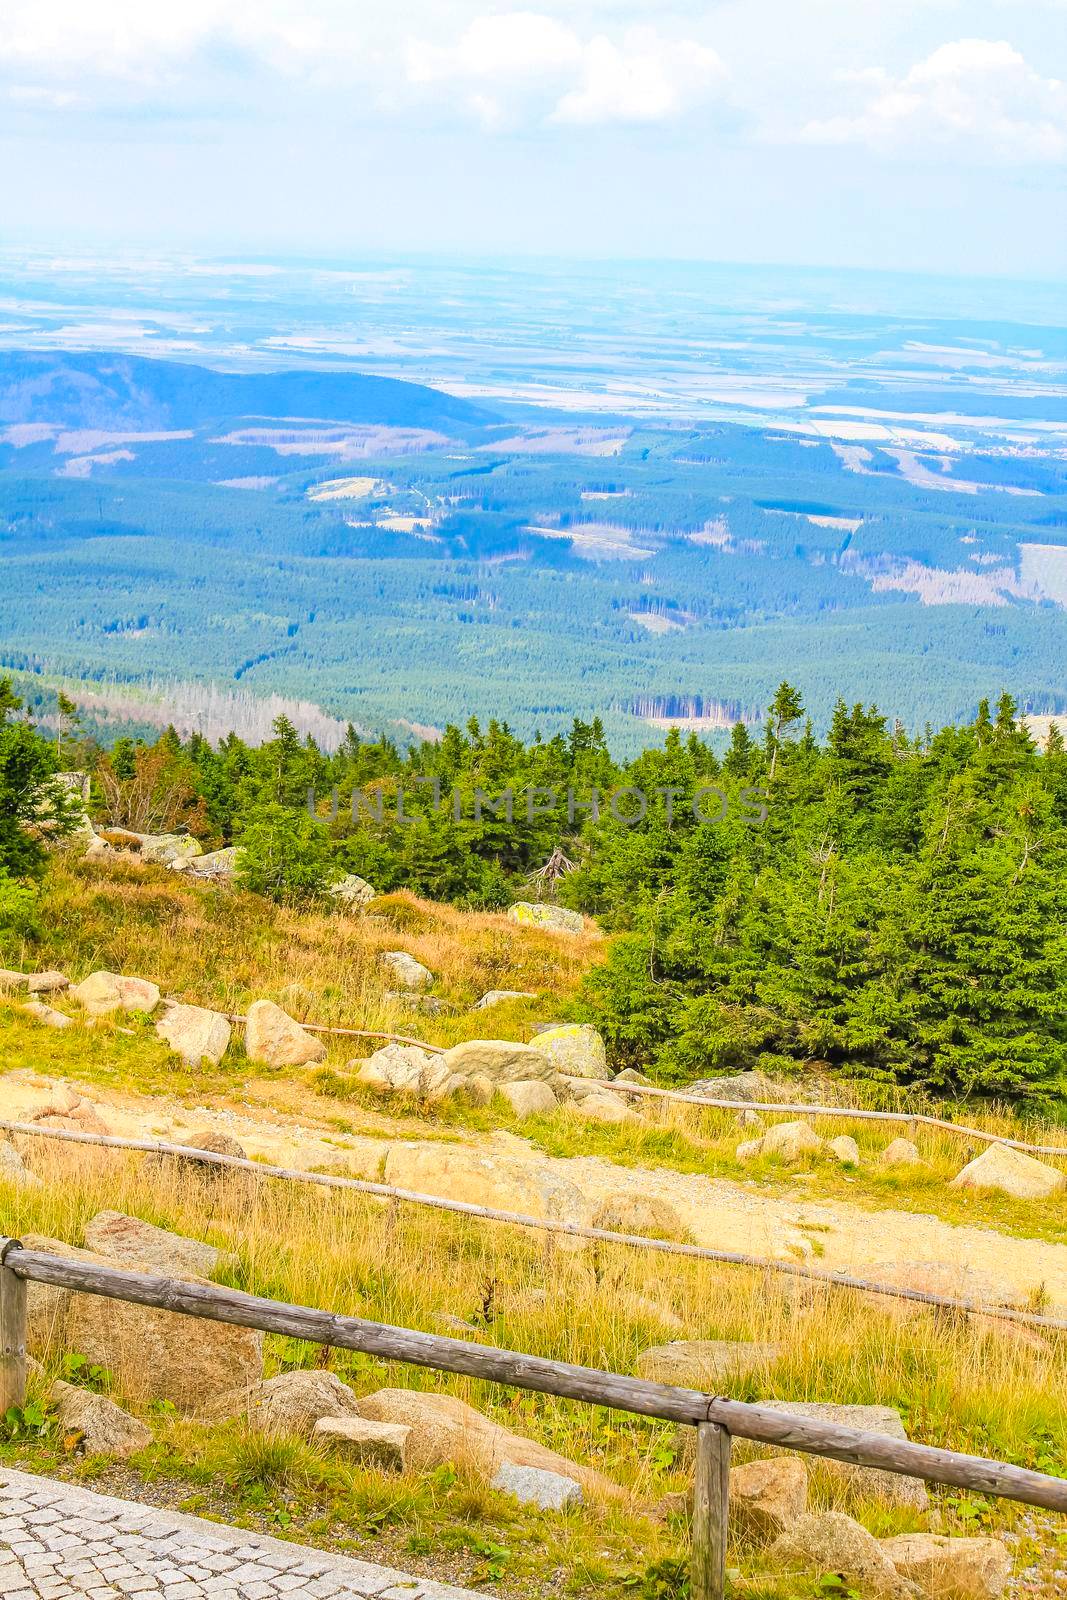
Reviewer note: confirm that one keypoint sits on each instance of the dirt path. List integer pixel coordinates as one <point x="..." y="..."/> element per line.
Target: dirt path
<point x="880" y="1244"/>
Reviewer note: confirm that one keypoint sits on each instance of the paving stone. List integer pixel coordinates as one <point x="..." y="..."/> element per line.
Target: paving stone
<point x="61" y="1542"/>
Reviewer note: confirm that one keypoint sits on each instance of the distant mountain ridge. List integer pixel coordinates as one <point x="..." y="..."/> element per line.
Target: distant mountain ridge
<point x="99" y="390"/>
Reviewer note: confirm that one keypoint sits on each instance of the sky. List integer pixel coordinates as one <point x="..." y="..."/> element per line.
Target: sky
<point x="912" y="135"/>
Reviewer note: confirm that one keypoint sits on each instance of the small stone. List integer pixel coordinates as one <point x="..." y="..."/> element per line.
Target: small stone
<point x="767" y="1497"/>
<point x="411" y="973"/>
<point x="102" y="1427"/>
<point x="477" y="1090"/>
<point x="47" y="1016"/>
<point x="605" y="1107"/>
<point x="750" y="1119"/>
<point x="1012" y="1172"/>
<point x="104" y="992"/>
<point x="428" y="1005"/>
<point x="627" y="1212"/>
<point x="846" y="1150"/>
<point x="789" y="1141"/>
<point x="374" y="1444"/>
<point x="291" y="1402"/>
<point x="352" y="892"/>
<point x="272" y="1036"/>
<point x="529" y="1097"/>
<point x="533" y="1486"/>
<point x="497" y="997"/>
<point x="50" y="982"/>
<point x="900" y="1153"/>
<point x="951" y="1569"/>
<point x="631" y="1075"/>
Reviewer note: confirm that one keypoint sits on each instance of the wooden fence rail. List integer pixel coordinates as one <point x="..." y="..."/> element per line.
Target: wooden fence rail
<point x="915" y="1119"/>
<point x="716" y="1419"/>
<point x="571" y="1230"/>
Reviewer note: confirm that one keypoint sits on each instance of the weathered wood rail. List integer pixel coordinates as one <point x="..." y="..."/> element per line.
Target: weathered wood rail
<point x="716" y="1418"/>
<point x="913" y="1119"/>
<point x="572" y="1230"/>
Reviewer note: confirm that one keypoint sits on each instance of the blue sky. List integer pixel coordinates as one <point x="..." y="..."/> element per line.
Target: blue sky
<point x="925" y="135"/>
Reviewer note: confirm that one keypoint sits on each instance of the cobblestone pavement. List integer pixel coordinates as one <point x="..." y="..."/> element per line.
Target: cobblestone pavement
<point x="59" y="1542"/>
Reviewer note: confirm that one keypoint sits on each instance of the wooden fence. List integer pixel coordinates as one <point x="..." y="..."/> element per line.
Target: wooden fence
<point x="911" y="1119"/>
<point x="716" y="1419"/>
<point x="570" y="1230"/>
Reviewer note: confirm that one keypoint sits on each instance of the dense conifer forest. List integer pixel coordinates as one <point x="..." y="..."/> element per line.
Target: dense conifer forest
<point x="891" y="907"/>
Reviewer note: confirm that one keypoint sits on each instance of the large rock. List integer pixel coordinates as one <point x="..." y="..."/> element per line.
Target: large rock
<point x="828" y="1541"/>
<point x="405" y="1069"/>
<point x="411" y="973"/>
<point x="557" y="919"/>
<point x="741" y="1088"/>
<point x="703" y="1363"/>
<point x="645" y="1214"/>
<point x="533" y="1486"/>
<point x="500" y="1060"/>
<point x="292" y="1402"/>
<point x="446" y="1430"/>
<point x="95" y="1425"/>
<point x="152" y="1354"/>
<point x="951" y="1569"/>
<point x="789" y="1141"/>
<point x="104" y="992"/>
<point x="767" y="1497"/>
<point x="70" y="1110"/>
<point x="503" y="1183"/>
<point x="220" y="865"/>
<point x="889" y="1487"/>
<point x="1011" y="1172"/>
<point x="12" y="1167"/>
<point x="162" y="849"/>
<point x="132" y="1242"/>
<point x="372" y="1444"/>
<point x="352" y="892"/>
<point x="271" y="1035"/>
<point x="195" y="1033"/>
<point x="576" y="1049"/>
<point x="529" y="1097"/>
<point x="497" y="997"/>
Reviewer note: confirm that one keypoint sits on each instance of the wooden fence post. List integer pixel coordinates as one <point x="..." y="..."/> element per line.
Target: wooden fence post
<point x="12" y="1333"/>
<point x="711" y="1497"/>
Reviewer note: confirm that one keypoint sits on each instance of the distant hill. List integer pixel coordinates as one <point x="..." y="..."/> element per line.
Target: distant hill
<point x="114" y="392"/>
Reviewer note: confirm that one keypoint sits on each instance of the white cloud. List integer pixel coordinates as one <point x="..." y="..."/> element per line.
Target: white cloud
<point x="143" y="44"/>
<point x="646" y="78"/>
<point x="978" y="94"/>
<point x="524" y="66"/>
<point x="516" y="44"/>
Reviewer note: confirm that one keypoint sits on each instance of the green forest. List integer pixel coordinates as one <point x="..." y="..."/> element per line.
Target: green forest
<point x="888" y="907"/>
